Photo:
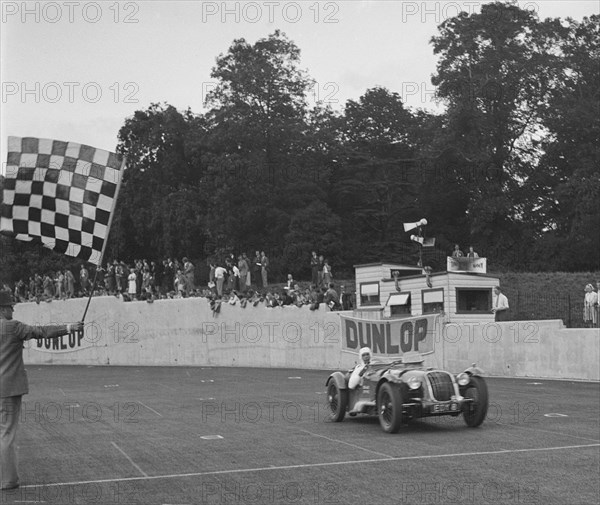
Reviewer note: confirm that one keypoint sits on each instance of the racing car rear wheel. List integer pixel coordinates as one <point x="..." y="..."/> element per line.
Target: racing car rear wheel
<point x="389" y="407"/>
<point x="476" y="410"/>
<point x="338" y="401"/>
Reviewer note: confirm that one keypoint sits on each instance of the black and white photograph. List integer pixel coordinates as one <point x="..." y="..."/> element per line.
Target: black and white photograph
<point x="300" y="252"/>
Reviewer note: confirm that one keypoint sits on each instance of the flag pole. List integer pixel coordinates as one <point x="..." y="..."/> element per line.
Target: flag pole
<point x="110" y="220"/>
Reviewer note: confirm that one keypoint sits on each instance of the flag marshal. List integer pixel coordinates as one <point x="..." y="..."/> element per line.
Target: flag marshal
<point x="61" y="194"/>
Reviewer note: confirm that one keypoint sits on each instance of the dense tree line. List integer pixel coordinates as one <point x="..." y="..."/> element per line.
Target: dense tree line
<point x="511" y="166"/>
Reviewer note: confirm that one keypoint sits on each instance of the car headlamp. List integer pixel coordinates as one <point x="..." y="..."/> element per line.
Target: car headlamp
<point x="463" y="379"/>
<point x="414" y="382"/>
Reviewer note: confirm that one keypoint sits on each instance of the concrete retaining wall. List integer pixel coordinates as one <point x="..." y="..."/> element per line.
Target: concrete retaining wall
<point x="185" y="332"/>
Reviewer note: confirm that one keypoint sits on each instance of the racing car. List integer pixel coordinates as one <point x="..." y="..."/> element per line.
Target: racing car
<point x="405" y="389"/>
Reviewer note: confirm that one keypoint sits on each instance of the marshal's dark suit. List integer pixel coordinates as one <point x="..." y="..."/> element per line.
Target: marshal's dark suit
<point x="13" y="385"/>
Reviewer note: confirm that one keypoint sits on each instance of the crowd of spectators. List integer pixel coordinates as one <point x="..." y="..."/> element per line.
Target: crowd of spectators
<point x="142" y="280"/>
<point x="234" y="280"/>
<point x="243" y="280"/>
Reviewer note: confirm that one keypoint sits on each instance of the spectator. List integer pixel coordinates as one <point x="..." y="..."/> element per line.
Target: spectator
<point x="590" y="303"/>
<point x="598" y="302"/>
<point x="331" y="298"/>
<point x="39" y="286"/>
<point x="235" y="274"/>
<point x="345" y="299"/>
<point x="60" y="285"/>
<point x="98" y="282"/>
<point x="188" y="270"/>
<point x="264" y="269"/>
<point x="248" y="270"/>
<point x="157" y="269"/>
<point x="121" y="277"/>
<point x="298" y="298"/>
<point x="147" y="282"/>
<point x="289" y="285"/>
<point x="229" y="277"/>
<point x="139" y="278"/>
<point x="21" y="291"/>
<point x="84" y="280"/>
<point x="327" y="275"/>
<point x="48" y="287"/>
<point x="285" y="297"/>
<point x="132" y="284"/>
<point x="180" y="283"/>
<point x="220" y="279"/>
<point x="256" y="269"/>
<point x="31" y="287"/>
<point x="243" y="269"/>
<point x="109" y="280"/>
<point x="321" y="295"/>
<point x="314" y="268"/>
<point x="500" y="305"/>
<point x="211" y="273"/>
<point x="168" y="276"/>
<point x="320" y="271"/>
<point x="457" y="253"/>
<point x="472" y="254"/>
<point x="70" y="282"/>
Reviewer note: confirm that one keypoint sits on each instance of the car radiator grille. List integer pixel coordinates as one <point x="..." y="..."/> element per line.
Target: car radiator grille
<point x="441" y="386"/>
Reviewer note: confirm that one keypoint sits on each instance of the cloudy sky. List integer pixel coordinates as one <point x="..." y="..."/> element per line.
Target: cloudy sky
<point x="75" y="70"/>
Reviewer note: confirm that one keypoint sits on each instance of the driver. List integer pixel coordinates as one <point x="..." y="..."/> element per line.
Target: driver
<point x="360" y="369"/>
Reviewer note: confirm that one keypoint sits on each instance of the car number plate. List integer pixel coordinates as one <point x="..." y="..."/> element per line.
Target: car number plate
<point x="441" y="407"/>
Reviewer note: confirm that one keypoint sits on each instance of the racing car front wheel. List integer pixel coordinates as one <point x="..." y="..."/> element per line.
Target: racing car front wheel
<point x="389" y="407"/>
<point x="476" y="410"/>
<point x="338" y="401"/>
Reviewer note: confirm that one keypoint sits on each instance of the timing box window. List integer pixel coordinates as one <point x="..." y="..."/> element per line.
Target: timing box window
<point x="473" y="301"/>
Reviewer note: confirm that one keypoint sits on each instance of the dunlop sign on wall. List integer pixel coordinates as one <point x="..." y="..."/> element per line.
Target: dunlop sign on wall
<point x="73" y="341"/>
<point x="391" y="337"/>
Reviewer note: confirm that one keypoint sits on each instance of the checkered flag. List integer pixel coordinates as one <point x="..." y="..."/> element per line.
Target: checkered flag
<point x="61" y="194"/>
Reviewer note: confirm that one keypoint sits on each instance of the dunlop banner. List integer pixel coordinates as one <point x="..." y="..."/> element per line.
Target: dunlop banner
<point x="74" y="341"/>
<point x="390" y="337"/>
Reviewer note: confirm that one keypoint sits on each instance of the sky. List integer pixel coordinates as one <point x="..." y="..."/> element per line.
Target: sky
<point x="74" y="71"/>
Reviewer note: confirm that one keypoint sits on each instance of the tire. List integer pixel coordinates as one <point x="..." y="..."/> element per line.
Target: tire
<point x="338" y="402"/>
<point x="475" y="412"/>
<point x="389" y="407"/>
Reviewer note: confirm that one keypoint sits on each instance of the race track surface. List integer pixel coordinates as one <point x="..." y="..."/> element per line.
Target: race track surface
<point x="182" y="435"/>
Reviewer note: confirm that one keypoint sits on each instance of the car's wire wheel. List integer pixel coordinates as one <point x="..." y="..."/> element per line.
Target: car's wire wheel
<point x="389" y="407"/>
<point x="338" y="401"/>
<point x="476" y="410"/>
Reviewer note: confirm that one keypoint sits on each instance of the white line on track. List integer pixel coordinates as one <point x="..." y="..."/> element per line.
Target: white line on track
<point x="347" y="443"/>
<point x="149" y="408"/>
<point x="130" y="460"/>
<point x="311" y="465"/>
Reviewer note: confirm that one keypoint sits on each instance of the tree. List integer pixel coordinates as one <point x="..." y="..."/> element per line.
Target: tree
<point x="568" y="179"/>
<point x="372" y="187"/>
<point x="496" y="72"/>
<point x="266" y="147"/>
<point x="314" y="228"/>
<point x="160" y="207"/>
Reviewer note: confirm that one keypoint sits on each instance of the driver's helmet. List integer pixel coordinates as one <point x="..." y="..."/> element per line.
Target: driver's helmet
<point x="365" y="354"/>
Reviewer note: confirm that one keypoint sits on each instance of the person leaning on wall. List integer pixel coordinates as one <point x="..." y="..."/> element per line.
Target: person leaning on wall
<point x="13" y="380"/>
